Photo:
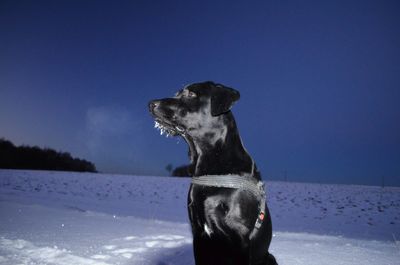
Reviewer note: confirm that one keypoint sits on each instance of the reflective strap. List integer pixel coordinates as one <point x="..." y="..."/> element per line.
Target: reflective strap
<point x="231" y="181"/>
<point x="261" y="215"/>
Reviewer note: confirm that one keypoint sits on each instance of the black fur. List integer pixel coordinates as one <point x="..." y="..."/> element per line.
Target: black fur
<point x="222" y="219"/>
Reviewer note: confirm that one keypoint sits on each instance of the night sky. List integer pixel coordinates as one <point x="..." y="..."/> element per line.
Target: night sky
<point x="319" y="81"/>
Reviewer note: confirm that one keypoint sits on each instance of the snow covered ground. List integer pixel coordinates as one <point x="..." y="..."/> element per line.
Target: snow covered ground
<point x="82" y="218"/>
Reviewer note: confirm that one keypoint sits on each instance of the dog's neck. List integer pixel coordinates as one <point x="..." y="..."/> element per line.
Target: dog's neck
<point x="226" y="156"/>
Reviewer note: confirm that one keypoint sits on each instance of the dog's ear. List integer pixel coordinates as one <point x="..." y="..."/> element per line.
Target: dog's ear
<point x="222" y="99"/>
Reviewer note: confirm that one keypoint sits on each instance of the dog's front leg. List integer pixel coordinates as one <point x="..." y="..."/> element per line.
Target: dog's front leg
<point x="201" y="249"/>
<point x="209" y="252"/>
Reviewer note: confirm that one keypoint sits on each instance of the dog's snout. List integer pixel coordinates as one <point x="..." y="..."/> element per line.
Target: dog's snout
<point x="154" y="104"/>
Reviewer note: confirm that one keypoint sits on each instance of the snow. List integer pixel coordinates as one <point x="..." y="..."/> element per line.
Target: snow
<point x="83" y="218"/>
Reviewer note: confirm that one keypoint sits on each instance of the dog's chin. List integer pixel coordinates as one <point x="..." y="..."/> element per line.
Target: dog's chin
<point x="167" y="128"/>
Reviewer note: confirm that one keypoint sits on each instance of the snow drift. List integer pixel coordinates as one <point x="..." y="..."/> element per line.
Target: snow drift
<point x="84" y="218"/>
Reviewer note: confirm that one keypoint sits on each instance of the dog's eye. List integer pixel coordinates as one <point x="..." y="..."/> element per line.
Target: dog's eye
<point x="191" y="94"/>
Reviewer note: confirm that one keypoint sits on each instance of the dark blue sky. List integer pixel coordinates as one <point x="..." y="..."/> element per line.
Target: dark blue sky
<point x="319" y="81"/>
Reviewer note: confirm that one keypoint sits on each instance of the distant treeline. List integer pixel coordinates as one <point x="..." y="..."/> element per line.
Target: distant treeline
<point x="27" y="157"/>
<point x="182" y="171"/>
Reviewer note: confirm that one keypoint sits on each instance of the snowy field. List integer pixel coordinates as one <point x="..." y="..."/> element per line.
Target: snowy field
<point x="81" y="218"/>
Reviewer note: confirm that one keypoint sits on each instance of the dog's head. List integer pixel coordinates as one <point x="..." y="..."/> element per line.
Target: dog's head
<point x="195" y="111"/>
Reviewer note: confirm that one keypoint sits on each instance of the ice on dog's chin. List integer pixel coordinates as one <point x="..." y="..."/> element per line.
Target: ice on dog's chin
<point x="162" y="129"/>
<point x="168" y="131"/>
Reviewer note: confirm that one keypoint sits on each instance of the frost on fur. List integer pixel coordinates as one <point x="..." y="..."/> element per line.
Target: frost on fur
<point x="162" y="129"/>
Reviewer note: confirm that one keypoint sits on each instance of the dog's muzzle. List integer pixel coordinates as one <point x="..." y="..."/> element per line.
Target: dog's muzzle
<point x="162" y="123"/>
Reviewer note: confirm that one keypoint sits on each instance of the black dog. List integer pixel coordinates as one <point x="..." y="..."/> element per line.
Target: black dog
<point x="229" y="218"/>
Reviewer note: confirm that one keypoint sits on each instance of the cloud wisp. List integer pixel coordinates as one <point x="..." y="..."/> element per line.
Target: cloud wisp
<point x="107" y="122"/>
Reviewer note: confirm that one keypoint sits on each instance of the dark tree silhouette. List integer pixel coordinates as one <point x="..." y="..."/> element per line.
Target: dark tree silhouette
<point x="27" y="157"/>
<point x="169" y="168"/>
<point x="182" y="171"/>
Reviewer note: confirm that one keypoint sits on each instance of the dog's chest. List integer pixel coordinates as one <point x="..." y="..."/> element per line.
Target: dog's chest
<point x="214" y="210"/>
<point x="206" y="204"/>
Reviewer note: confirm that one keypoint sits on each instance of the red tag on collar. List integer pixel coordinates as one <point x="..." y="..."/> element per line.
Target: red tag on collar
<point x="262" y="215"/>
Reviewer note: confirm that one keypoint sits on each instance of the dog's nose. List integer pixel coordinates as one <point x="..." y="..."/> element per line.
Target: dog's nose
<point x="153" y="104"/>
